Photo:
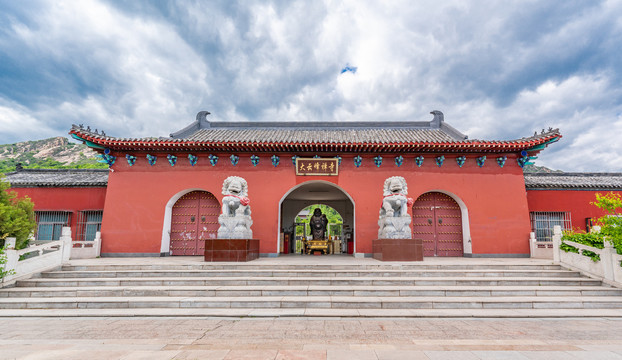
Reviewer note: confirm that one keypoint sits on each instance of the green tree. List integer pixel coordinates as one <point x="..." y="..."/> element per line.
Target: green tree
<point x="17" y="215"/>
<point x="611" y="224"/>
<point x="331" y="214"/>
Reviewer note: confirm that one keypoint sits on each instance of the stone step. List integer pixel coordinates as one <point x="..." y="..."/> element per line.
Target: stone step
<point x="308" y="273"/>
<point x="246" y="291"/>
<point x="328" y="302"/>
<point x="316" y="312"/>
<point x="191" y="287"/>
<point x="270" y="266"/>
<point x="354" y="281"/>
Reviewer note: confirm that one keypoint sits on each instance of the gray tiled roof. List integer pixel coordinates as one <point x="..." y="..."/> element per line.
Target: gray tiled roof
<point x="58" y="178"/>
<point x="305" y="137"/>
<point x="579" y="181"/>
<point x="321" y="135"/>
<point x="335" y="132"/>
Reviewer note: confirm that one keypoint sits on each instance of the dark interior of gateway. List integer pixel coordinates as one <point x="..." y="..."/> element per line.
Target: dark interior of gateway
<point x="317" y="218"/>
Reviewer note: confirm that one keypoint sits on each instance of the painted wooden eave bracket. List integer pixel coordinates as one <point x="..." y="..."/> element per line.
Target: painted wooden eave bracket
<point x="87" y="142"/>
<point x="542" y="146"/>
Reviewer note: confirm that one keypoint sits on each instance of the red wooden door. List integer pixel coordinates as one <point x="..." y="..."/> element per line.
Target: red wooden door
<point x="195" y="218"/>
<point x="437" y="220"/>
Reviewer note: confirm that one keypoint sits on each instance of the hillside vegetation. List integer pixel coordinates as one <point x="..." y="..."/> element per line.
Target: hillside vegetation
<point x="52" y="153"/>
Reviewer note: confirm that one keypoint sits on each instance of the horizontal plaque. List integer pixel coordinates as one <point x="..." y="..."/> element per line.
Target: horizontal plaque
<point x="316" y="166"/>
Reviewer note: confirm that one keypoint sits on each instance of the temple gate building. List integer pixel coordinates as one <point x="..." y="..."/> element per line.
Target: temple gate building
<point x="163" y="195"/>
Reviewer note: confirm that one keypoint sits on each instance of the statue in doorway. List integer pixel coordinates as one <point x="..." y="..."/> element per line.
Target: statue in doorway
<point x="318" y="223"/>
<point x="235" y="220"/>
<point x="394" y="221"/>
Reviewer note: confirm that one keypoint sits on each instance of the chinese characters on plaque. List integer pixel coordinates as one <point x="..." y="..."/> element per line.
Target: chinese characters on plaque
<point x="314" y="166"/>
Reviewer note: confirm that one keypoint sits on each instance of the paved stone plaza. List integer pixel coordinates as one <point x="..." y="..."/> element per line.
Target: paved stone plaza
<point x="154" y="333"/>
<point x="293" y="338"/>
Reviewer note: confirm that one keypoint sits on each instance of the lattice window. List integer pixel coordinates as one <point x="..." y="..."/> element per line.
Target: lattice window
<point x="50" y="224"/>
<point x="542" y="223"/>
<point x="89" y="222"/>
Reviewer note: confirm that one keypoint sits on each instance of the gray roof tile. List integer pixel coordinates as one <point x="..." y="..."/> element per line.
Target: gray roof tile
<point x="58" y="178"/>
<point x="580" y="181"/>
<point x="321" y="136"/>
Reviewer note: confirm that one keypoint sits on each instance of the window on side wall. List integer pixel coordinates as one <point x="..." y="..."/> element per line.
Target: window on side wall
<point x="89" y="223"/>
<point x="50" y="224"/>
<point x="542" y="223"/>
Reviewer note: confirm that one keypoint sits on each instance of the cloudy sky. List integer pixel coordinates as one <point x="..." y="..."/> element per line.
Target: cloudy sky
<point x="497" y="69"/>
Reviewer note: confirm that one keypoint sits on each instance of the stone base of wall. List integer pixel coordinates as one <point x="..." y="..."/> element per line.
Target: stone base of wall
<point x="239" y="250"/>
<point x="398" y="249"/>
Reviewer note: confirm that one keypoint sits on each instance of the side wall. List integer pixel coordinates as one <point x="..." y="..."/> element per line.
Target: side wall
<point x="73" y="199"/>
<point x="137" y="196"/>
<point x="577" y="202"/>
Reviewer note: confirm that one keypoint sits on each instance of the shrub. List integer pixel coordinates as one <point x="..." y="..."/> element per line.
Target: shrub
<point x="17" y="216"/>
<point x="611" y="224"/>
<point x="590" y="239"/>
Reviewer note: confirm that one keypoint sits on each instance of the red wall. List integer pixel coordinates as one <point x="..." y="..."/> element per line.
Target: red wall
<point x="72" y="199"/>
<point x="576" y="202"/>
<point x="137" y="197"/>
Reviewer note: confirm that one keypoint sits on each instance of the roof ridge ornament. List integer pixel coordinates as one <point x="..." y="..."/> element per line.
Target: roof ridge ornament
<point x="202" y="116"/>
<point x="438" y="119"/>
<point x="201" y="122"/>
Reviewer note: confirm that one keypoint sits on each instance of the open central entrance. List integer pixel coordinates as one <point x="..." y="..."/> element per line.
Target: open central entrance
<point x="319" y="227"/>
<point x="297" y="208"/>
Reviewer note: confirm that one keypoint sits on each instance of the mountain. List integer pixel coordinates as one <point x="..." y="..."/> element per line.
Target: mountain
<point x="538" y="169"/>
<point x="52" y="153"/>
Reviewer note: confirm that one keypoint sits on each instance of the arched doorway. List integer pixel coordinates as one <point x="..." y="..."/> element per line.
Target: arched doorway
<point x="310" y="193"/>
<point x="194" y="218"/>
<point x="437" y="220"/>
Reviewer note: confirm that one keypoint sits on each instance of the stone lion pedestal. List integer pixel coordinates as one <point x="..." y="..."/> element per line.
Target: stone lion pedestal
<point x="238" y="250"/>
<point x="234" y="241"/>
<point x="395" y="242"/>
<point x="397" y="249"/>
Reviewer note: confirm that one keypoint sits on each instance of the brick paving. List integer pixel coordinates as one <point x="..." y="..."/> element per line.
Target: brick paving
<point x="304" y="338"/>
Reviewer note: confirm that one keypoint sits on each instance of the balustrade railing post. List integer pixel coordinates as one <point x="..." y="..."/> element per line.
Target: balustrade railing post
<point x="532" y="243"/>
<point x="98" y="244"/>
<point x="65" y="238"/>
<point x="11" y="254"/>
<point x="557" y="240"/>
<point x="608" y="260"/>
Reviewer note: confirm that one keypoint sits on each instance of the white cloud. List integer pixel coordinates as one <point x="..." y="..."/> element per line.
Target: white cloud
<point x="579" y="106"/>
<point x="498" y="70"/>
<point x="149" y="75"/>
<point x="16" y="122"/>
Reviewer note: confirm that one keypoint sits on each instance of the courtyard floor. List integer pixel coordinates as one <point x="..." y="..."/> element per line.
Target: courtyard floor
<point x="164" y="337"/>
<point x="293" y="338"/>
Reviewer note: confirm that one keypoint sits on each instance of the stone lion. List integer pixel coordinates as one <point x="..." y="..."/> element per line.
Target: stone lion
<point x="235" y="201"/>
<point x="395" y="201"/>
<point x="393" y="220"/>
<point x="235" y="220"/>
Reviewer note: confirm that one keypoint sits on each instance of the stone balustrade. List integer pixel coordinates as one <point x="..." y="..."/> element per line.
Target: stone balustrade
<point x="540" y="249"/>
<point x="49" y="255"/>
<point x="607" y="268"/>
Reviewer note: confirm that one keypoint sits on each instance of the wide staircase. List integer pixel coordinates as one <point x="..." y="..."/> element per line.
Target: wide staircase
<point x="271" y="288"/>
